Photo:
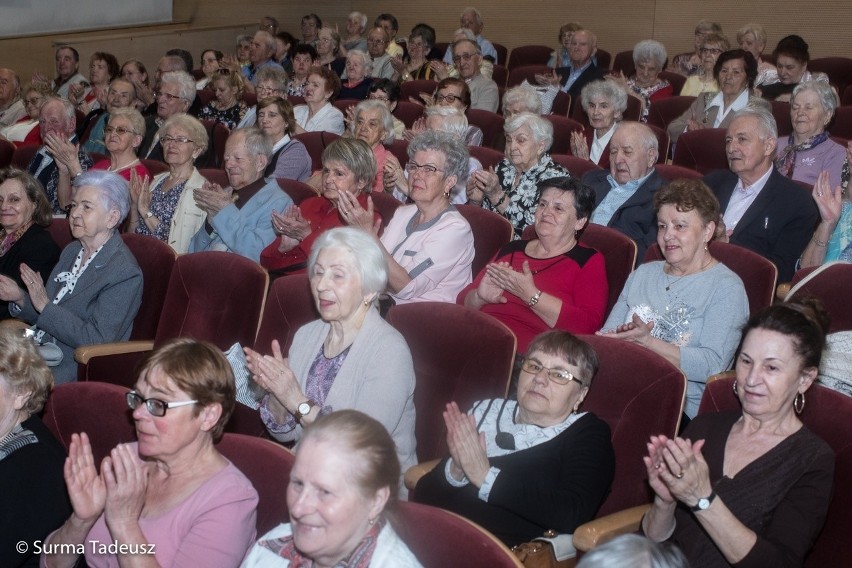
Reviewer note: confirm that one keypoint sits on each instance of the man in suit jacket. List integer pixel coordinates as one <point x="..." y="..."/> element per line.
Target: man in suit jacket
<point x="583" y="69"/>
<point x="624" y="195"/>
<point x="763" y="210"/>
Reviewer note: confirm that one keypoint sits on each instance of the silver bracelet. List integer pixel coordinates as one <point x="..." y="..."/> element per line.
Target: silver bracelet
<point x="534" y="300"/>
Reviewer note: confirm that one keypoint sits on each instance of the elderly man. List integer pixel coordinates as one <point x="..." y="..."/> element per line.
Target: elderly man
<point x="484" y="93"/>
<point x="310" y="27"/>
<point x="583" y="69"/>
<point x="261" y="55"/>
<point x="242" y="225"/>
<point x="167" y="64"/>
<point x="471" y="19"/>
<point x="57" y="123"/>
<point x="390" y="24"/>
<point x="624" y="196"/>
<point x="176" y="93"/>
<point x="121" y="94"/>
<point x="763" y="210"/>
<point x="377" y="42"/>
<point x="67" y="71"/>
<point x="11" y="106"/>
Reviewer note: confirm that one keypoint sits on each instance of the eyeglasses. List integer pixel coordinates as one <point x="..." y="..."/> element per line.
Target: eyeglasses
<point x="447" y="98"/>
<point x="558" y="376"/>
<point x="120" y="130"/>
<point x="155" y="406"/>
<point x="376" y="41"/>
<point x="33" y="101"/>
<point x="379" y="98"/>
<point x="176" y="140"/>
<point x="262" y="89"/>
<point x="463" y="57"/>
<point x="428" y="169"/>
<point x="223" y="71"/>
<point x="168" y="96"/>
<point x="714" y="50"/>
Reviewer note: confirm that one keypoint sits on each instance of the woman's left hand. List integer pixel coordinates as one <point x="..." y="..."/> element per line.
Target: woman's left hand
<point x="273" y="374"/>
<point x="829" y="201"/>
<point x="685" y="471"/>
<point x="579" y="145"/>
<point x="35" y="288"/>
<point x="357" y="216"/>
<point x="467" y="446"/>
<point x="126" y="478"/>
<point x="518" y="283"/>
<point x="636" y="331"/>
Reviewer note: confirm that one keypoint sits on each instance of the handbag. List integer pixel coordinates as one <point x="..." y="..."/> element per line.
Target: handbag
<point x="549" y="551"/>
<point x="51" y="353"/>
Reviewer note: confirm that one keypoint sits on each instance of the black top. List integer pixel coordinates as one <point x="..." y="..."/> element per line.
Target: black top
<point x="37" y="250"/>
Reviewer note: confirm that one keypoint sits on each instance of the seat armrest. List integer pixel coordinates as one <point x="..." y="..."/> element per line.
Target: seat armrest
<point x="723" y="375"/>
<point x="415" y="472"/>
<point x="598" y="531"/>
<point x="86" y="352"/>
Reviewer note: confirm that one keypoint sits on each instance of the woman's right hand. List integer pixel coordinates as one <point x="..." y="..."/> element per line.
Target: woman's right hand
<point x="829" y="201"/>
<point x="489" y="291"/>
<point x="273" y="374"/>
<point x="10" y="291"/>
<point x="86" y="487"/>
<point x="486" y="182"/>
<point x="291" y="224"/>
<point x="579" y="145"/>
<point x="654" y="464"/>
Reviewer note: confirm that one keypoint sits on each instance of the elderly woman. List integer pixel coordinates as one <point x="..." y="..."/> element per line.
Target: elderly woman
<point x="227" y="108"/>
<point x="735" y="72"/>
<point x="808" y="150"/>
<point x="604" y="102"/>
<point x="420" y="43"/>
<point x="318" y="114"/>
<point x="450" y="92"/>
<point x="134" y="71"/>
<point x="688" y="307"/>
<point x="328" y="47"/>
<point x="373" y="123"/>
<point x="123" y="134"/>
<point x="387" y="92"/>
<point x="289" y="159"/>
<point x="522" y="98"/>
<point x="512" y="188"/>
<point x="24" y="214"/>
<point x="26" y="131"/>
<point x="358" y="80"/>
<point x="29" y="454"/>
<point x="211" y="62"/>
<point x="192" y="502"/>
<point x="356" y="25"/>
<point x="103" y="68"/>
<point x="752" y="38"/>
<point x="349" y="508"/>
<point x="704" y="81"/>
<point x="791" y="64"/>
<point x="102" y="308"/>
<point x="349" y="165"/>
<point x="689" y="63"/>
<point x="550" y="281"/>
<point x="332" y="362"/>
<point x="649" y="56"/>
<point x="428" y="245"/>
<point x="522" y="467"/>
<point x="304" y="58"/>
<point x="560" y="57"/>
<point x="165" y="207"/>
<point x="774" y="458"/>
<point x="271" y="82"/>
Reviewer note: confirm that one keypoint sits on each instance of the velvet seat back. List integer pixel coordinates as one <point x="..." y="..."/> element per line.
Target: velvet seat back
<point x="575" y="166"/>
<point x="412" y="89"/>
<point x="639" y="394"/>
<point x="290" y="305"/>
<point x="297" y="190"/>
<point x="491" y="232"/>
<point x="529" y="55"/>
<point x="828" y="414"/>
<point x="489" y="122"/>
<point x="7" y="150"/>
<point x="701" y="150"/>
<point x="832" y="287"/>
<point x="521" y="73"/>
<point x="60" y="232"/>
<point x="407" y="112"/>
<point x="563" y="127"/>
<point x="23" y="156"/>
<point x="315" y="143"/>
<point x="460" y="355"/>
<point x="156" y="259"/>
<point x="664" y="111"/>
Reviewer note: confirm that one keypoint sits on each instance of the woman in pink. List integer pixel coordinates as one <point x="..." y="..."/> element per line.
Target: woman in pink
<point x="171" y="494"/>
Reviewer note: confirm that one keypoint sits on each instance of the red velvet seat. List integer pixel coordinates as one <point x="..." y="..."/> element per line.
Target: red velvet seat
<point x="672" y="172"/>
<point x="502" y="53"/>
<point x="23" y="156"/>
<point x="561" y="104"/>
<point x="758" y="274"/>
<point x="297" y="190"/>
<point x="315" y="142"/>
<point x="451" y="363"/>
<point x="604" y="58"/>
<point x="440" y="538"/>
<point x="663" y="143"/>
<point x="249" y="98"/>
<point x="841" y="124"/>
<point x="676" y="79"/>
<point x="500" y="75"/>
<point x="343" y="105"/>
<point x="517" y="75"/>
<point x="846" y="98"/>
<point x="491" y="232"/>
<point x="832" y="287"/>
<point x="489" y="122"/>
<point x="562" y="129"/>
<point x="289" y="306"/>
<point x="216" y="149"/>
<point x="215" y="175"/>
<point x="7" y="150"/>
<point x="827" y="414"/>
<point x="407" y="112"/>
<point x="701" y="150"/>
<point x="60" y="232"/>
<point x="576" y="166"/>
<point x="205" y="96"/>
<point x="529" y="55"/>
<point x="399" y="149"/>
<point x="412" y="89"/>
<point x="488" y="157"/>
<point x="781" y="113"/>
<point x="838" y="69"/>
<point x="386" y="205"/>
<point x="624" y="62"/>
<point x="156" y="259"/>
<point x="664" y="111"/>
<point x="154" y="167"/>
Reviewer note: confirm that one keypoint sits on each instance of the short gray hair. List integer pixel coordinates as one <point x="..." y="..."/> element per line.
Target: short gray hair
<point x="453" y="120"/>
<point x="354" y="154"/>
<point x="189" y="123"/>
<point x="274" y="74"/>
<point x="454" y="150"/>
<point x="184" y="81"/>
<point x="470" y="41"/>
<point x="634" y="550"/>
<point x="825" y="93"/>
<point x="609" y="90"/>
<point x="362" y="19"/>
<point x="476" y="14"/>
<point x="254" y="140"/>
<point x="541" y="128"/>
<point x="466" y="33"/>
<point x="131" y="115"/>
<point x="114" y="190"/>
<point x="524" y="94"/>
<point x="387" y="117"/>
<point x="367" y="256"/>
<point x="766" y="125"/>
<point x="368" y="61"/>
<point x="649" y="49"/>
<point x="267" y="38"/>
<point x="70" y="113"/>
<point x="647" y="137"/>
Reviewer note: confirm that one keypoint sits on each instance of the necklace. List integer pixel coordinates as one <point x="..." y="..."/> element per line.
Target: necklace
<point x="679" y="278"/>
<point x="124" y="167"/>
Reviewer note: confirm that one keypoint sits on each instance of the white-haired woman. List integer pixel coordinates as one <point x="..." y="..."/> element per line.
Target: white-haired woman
<point x="512" y="188"/>
<point x="522" y="98"/>
<point x="350" y="358"/>
<point x="356" y="25"/>
<point x="358" y="80"/>
<point x="328" y="49"/>
<point x="604" y="102"/>
<point x="373" y="123"/>
<point x="649" y="56"/>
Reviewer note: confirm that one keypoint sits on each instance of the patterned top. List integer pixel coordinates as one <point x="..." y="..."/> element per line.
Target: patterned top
<point x="230" y="117"/>
<point x="659" y="90"/>
<point x="15" y="440"/>
<point x="163" y="205"/>
<point x="523" y="198"/>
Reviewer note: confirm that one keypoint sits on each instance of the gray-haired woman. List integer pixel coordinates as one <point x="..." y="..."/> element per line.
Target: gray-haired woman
<point x="102" y="307"/>
<point x="372" y="122"/>
<point x="332" y="363"/>
<point x="512" y="188"/>
<point x="356" y="85"/>
<point x="649" y="56"/>
<point x="604" y="102"/>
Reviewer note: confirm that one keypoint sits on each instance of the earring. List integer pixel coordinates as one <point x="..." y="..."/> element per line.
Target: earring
<point x="446" y="194"/>
<point x="371" y="521"/>
<point x="799" y="403"/>
<point x="705" y="246"/>
<point x="736" y="394"/>
<point x="366" y="302"/>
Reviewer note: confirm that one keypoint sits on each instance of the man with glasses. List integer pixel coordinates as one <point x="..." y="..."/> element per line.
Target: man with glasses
<point x="121" y="94"/>
<point x="583" y="69"/>
<point x="261" y="56"/>
<point x="389" y="23"/>
<point x="484" y="93"/>
<point x="471" y="19"/>
<point x="377" y="43"/>
<point x="238" y="217"/>
<point x="175" y="94"/>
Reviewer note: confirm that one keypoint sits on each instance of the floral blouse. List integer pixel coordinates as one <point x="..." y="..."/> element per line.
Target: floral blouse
<point x="659" y="90"/>
<point x="230" y="117"/>
<point x="523" y="198"/>
<point x="163" y="205"/>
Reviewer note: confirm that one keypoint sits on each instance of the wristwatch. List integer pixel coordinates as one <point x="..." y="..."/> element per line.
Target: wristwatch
<point x="703" y="504"/>
<point x="303" y="410"/>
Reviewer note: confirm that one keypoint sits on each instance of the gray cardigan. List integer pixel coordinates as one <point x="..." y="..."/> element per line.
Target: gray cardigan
<point x="376" y="378"/>
<point x="101" y="308"/>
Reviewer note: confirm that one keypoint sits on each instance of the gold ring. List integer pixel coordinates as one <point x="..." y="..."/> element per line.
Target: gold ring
<point x="680" y="475"/>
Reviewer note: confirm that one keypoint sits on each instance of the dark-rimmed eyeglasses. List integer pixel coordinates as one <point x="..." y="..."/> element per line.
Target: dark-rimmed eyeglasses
<point x="558" y="376"/>
<point x="427" y="169"/>
<point x="155" y="406"/>
<point x="120" y="130"/>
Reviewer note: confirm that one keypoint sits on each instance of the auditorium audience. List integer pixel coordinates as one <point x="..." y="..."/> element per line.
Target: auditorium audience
<point x="471" y="19"/>
<point x="377" y="42"/>
<point x="387" y="92"/>
<point x="832" y="238"/>
<point x="227" y="108"/>
<point x="484" y="93"/>
<point x="390" y="24"/>
<point x="604" y="102"/>
<point x="123" y="135"/>
<point x="649" y="57"/>
<point x="174" y="95"/>
<point x="261" y="56"/>
<point x="310" y="25"/>
<point x="583" y="68"/>
<point x="211" y="63"/>
<point x="357" y="84"/>
<point x="318" y="114"/>
<point x="752" y="38"/>
<point x="704" y="81"/>
<point x="562" y="57"/>
<point x="420" y="43"/>
<point x="452" y="92"/>
<point x="304" y="59"/>
<point x="271" y="82"/>
<point x="356" y="25"/>
<point x="328" y="42"/>
<point x="103" y="68"/>
<point x="67" y="71"/>
<point x="121" y="94"/>
<point x="134" y="71"/>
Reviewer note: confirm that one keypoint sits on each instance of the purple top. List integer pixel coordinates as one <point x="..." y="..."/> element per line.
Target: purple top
<point x="828" y="156"/>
